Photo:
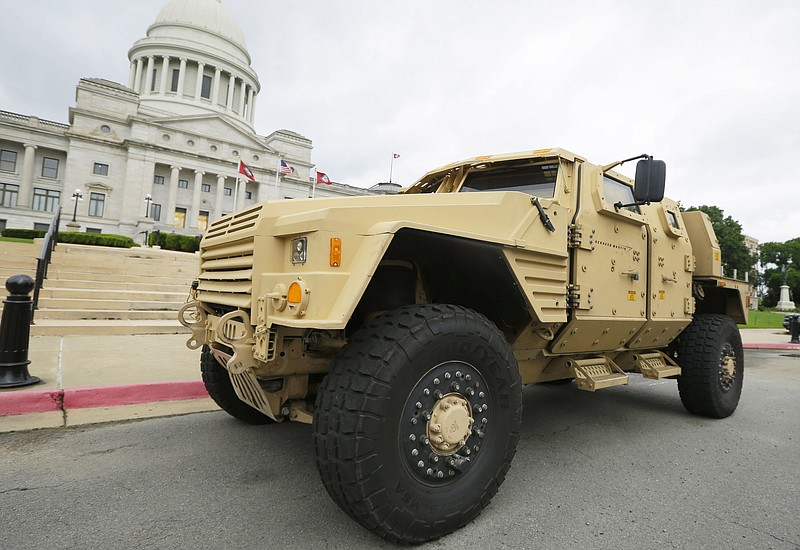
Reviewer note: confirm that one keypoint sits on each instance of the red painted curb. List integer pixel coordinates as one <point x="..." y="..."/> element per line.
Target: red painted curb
<point x="30" y="401"/>
<point x="771" y="346"/>
<point x="132" y="394"/>
<point x="35" y="401"/>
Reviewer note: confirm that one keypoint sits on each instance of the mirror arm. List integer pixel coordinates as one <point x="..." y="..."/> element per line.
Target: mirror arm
<point x="608" y="167"/>
<point x="543" y="215"/>
<point x="619" y="204"/>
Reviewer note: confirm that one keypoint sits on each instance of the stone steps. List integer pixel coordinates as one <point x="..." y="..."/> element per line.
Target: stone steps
<point x="100" y="290"/>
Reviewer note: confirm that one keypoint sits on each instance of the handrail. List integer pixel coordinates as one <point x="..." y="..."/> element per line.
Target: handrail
<point x="43" y="260"/>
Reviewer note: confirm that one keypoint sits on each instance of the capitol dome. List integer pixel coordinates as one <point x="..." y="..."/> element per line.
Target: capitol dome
<point x="194" y="60"/>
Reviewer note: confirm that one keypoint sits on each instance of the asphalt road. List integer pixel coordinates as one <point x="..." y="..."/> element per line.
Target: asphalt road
<point x="626" y="467"/>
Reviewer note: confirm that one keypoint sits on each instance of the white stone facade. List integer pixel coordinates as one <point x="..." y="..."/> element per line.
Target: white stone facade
<point x="175" y="133"/>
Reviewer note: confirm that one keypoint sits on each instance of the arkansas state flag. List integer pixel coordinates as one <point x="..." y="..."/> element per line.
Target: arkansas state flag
<point x="245" y="170"/>
<point x="323" y="178"/>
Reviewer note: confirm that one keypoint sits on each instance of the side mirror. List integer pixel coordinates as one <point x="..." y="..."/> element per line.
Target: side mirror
<point x="651" y="176"/>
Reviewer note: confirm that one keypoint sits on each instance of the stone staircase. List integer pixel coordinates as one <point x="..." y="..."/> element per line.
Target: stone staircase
<point x="101" y="290"/>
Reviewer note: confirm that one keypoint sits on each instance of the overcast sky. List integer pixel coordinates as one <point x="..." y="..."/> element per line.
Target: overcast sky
<point x="711" y="87"/>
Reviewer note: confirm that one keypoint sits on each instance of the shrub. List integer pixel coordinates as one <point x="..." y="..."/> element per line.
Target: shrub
<point x="23" y="233"/>
<point x="96" y="239"/>
<point x="172" y="241"/>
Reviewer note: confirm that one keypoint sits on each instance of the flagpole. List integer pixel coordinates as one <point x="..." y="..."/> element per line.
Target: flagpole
<point x="278" y="176"/>
<point x="391" y="167"/>
<point x="236" y="194"/>
<point x="314" y="184"/>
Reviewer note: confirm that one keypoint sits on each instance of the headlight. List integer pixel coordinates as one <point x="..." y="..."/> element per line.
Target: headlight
<point x="299" y="247"/>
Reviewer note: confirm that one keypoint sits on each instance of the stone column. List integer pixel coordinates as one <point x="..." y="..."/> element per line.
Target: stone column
<point x="194" y="213"/>
<point x="215" y="88"/>
<point x="182" y="77"/>
<point x="231" y="87"/>
<point x="242" y="185"/>
<point x="148" y="78"/>
<point x="174" y="176"/>
<point x="220" y="197"/>
<point x="242" y="95"/>
<point x="199" y="87"/>
<point x="137" y="80"/>
<point x="26" y="189"/>
<point x="164" y="75"/>
<point x="132" y="75"/>
<point x="250" y="104"/>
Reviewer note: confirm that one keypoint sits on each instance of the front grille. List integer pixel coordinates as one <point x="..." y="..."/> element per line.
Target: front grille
<point x="226" y="273"/>
<point x="226" y="268"/>
<point x="240" y="221"/>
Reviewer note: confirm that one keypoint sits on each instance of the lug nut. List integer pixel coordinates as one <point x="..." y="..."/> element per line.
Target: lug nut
<point x="413" y="420"/>
<point x="429" y="471"/>
<point x="421" y="464"/>
<point x="481" y="394"/>
<point x="440" y="474"/>
<point x="426" y="391"/>
<point x="468" y="377"/>
<point x="458" y="374"/>
<point x="447" y="376"/>
<point x="454" y="386"/>
<point x="435" y="381"/>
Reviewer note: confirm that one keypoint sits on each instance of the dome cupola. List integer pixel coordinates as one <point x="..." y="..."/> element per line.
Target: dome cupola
<point x="194" y="60"/>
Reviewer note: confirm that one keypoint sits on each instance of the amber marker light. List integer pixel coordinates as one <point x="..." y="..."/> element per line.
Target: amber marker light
<point x="336" y="251"/>
<point x="295" y="293"/>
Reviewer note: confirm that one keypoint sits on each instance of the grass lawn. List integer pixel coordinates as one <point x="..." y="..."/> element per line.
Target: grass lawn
<point x="15" y="240"/>
<point x="764" y="319"/>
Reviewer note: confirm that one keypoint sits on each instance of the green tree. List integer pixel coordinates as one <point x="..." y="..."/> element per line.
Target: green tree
<point x="775" y="258"/>
<point x="735" y="254"/>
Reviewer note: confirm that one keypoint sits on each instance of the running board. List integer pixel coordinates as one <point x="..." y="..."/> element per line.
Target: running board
<point x="656" y="365"/>
<point x="597" y="373"/>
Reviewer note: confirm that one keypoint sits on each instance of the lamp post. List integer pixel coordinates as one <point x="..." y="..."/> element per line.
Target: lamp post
<point x="76" y="196"/>
<point x="147" y="199"/>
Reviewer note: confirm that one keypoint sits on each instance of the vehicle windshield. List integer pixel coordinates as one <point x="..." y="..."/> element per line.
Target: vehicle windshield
<point x="538" y="180"/>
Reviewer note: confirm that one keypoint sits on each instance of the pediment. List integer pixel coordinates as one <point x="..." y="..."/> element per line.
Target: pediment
<point x="99" y="186"/>
<point x="212" y="127"/>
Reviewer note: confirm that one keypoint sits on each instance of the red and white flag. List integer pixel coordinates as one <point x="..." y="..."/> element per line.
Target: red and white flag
<point x="323" y="178"/>
<point x="245" y="170"/>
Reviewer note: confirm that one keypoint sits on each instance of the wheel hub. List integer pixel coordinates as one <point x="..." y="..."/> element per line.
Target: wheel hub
<point x="444" y="422"/>
<point x="450" y="424"/>
<point x="727" y="368"/>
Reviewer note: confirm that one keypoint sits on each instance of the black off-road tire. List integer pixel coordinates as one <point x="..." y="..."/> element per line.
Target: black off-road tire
<point x="371" y="425"/>
<point x="707" y="351"/>
<point x="220" y="388"/>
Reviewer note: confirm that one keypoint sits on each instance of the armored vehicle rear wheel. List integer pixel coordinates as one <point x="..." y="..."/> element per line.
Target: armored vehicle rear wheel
<point x="219" y="387"/>
<point x="417" y="421"/>
<point x="712" y="366"/>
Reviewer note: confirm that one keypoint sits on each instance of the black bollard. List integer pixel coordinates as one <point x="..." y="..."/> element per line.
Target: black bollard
<point x="15" y="332"/>
<point x="794" y="329"/>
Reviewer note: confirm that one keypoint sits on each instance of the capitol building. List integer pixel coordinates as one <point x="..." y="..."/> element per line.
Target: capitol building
<point x="162" y="151"/>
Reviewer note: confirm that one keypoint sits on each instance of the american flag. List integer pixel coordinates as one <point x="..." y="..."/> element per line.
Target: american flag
<point x="286" y="169"/>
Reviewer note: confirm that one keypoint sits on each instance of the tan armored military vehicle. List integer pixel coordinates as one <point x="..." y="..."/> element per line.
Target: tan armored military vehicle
<point x="404" y="327"/>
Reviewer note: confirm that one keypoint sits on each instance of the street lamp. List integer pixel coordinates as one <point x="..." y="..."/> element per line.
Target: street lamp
<point x="147" y="199"/>
<point x="76" y="196"/>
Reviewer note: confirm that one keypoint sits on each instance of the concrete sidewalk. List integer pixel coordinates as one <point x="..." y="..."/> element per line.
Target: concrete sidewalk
<point x="91" y="379"/>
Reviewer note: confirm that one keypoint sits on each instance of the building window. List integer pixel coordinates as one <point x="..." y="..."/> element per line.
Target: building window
<point x="155" y="212"/>
<point x="8" y="194"/>
<point x="8" y="160"/>
<point x="105" y="129"/>
<point x="153" y="80"/>
<point x="183" y="184"/>
<point x="248" y="194"/>
<point x="176" y="75"/>
<point x="205" y="91"/>
<point x="100" y="169"/>
<point x="158" y="180"/>
<point x="97" y="202"/>
<point x="205" y="188"/>
<point x="2" y="224"/>
<point x="41" y="226"/>
<point x="49" y="168"/>
<point x="45" y="200"/>
<point x="180" y="217"/>
<point x="202" y="221"/>
<point x="228" y="192"/>
<point x="96" y="230"/>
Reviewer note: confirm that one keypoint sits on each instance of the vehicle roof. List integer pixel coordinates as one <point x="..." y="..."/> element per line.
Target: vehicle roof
<point x="555" y="152"/>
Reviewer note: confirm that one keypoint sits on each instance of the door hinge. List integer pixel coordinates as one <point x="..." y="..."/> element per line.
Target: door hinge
<point x="580" y="237"/>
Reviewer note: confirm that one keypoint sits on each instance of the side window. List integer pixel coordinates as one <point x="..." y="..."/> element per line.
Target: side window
<point x="538" y="180"/>
<point x="616" y="192"/>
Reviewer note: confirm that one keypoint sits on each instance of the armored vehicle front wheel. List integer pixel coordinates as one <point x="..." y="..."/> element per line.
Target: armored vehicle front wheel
<point x="417" y="421"/>
<point x="712" y="366"/>
<point x="220" y="388"/>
